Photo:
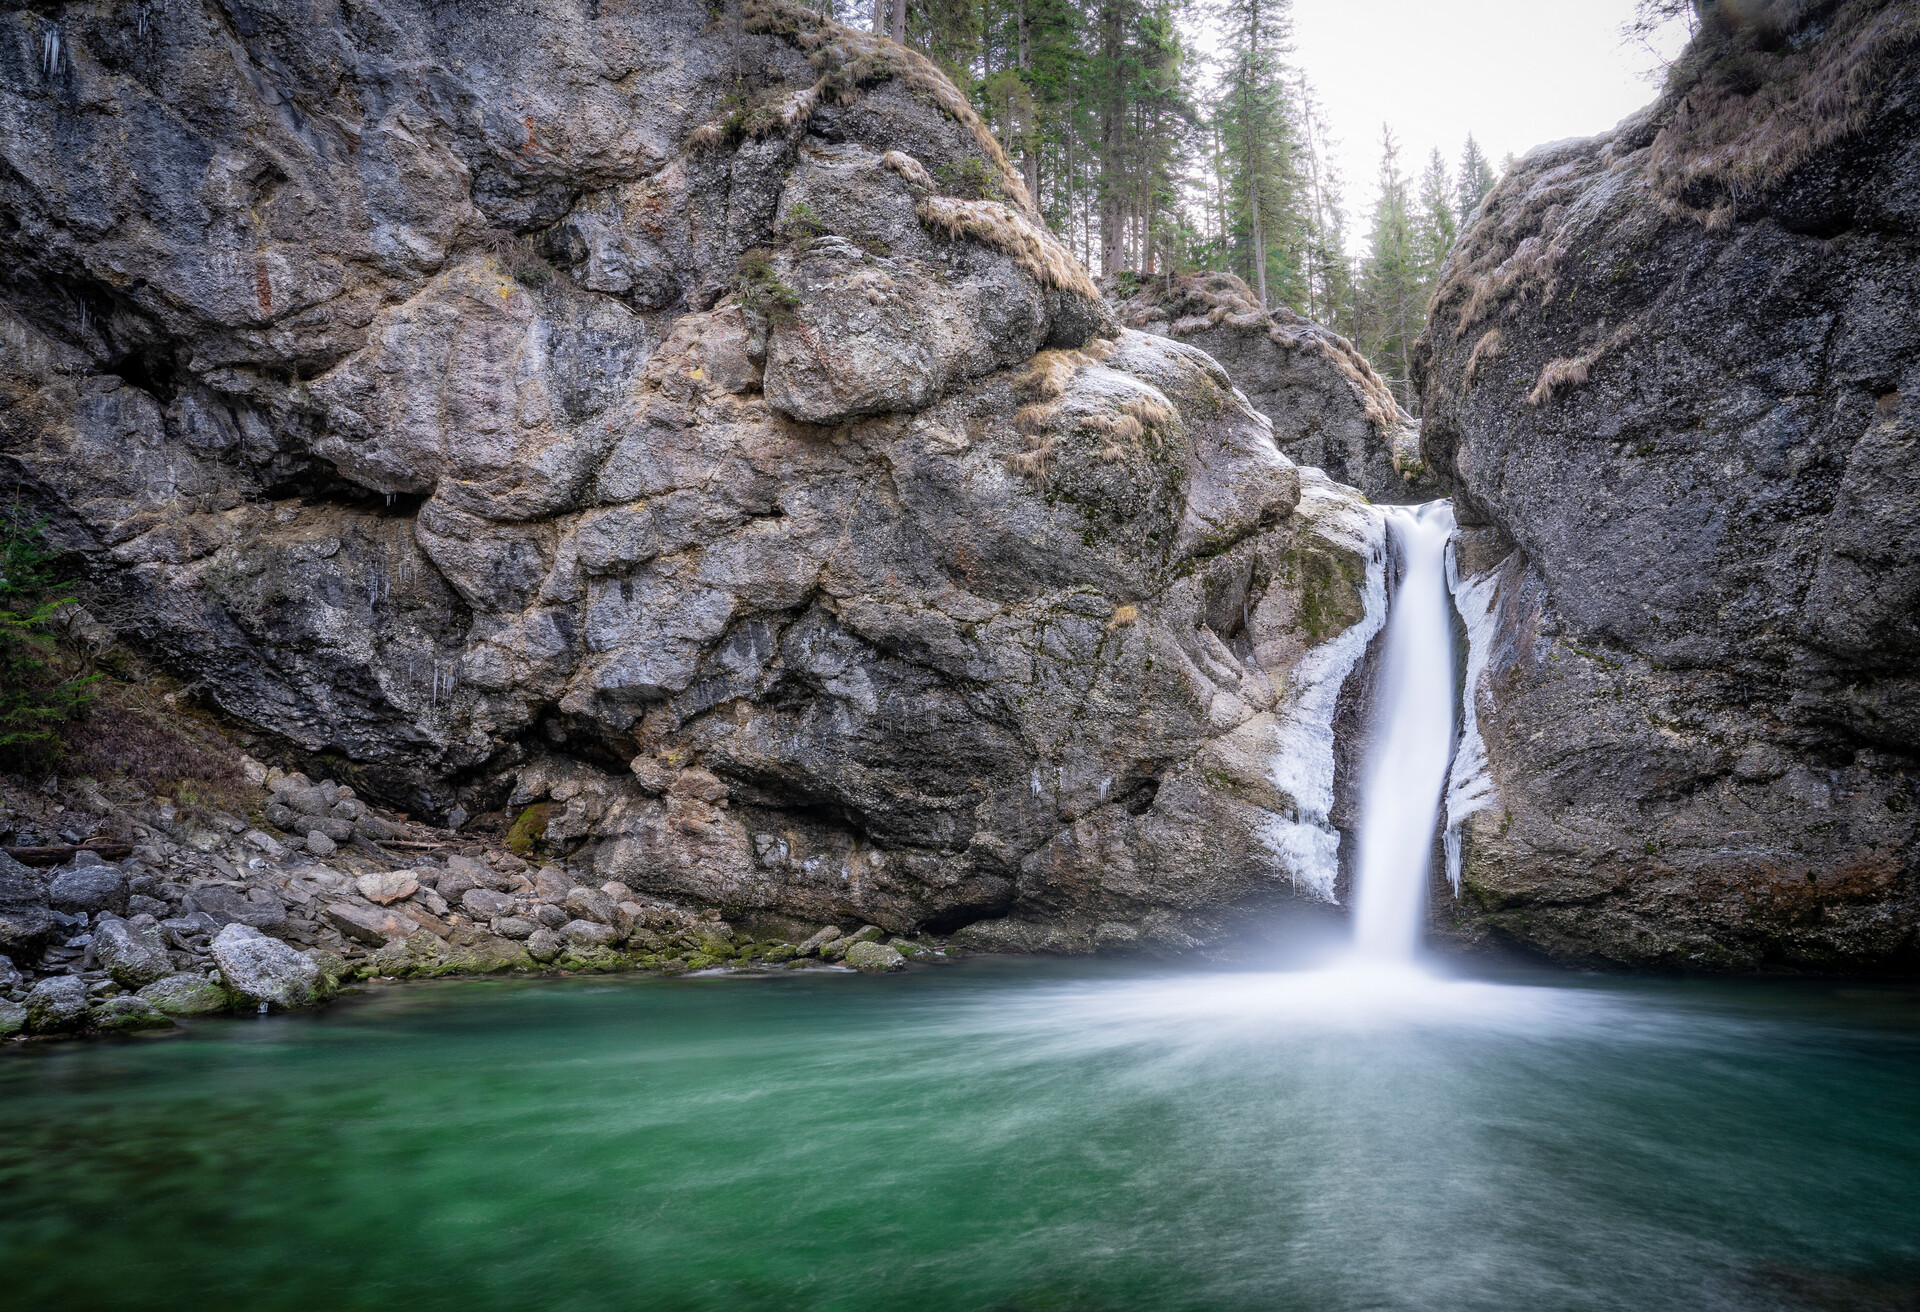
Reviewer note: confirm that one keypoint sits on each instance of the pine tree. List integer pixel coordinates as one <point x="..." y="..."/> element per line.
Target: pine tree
<point x="1475" y="181"/>
<point x="1260" y="151"/>
<point x="1435" y="225"/>
<point x="1391" y="283"/>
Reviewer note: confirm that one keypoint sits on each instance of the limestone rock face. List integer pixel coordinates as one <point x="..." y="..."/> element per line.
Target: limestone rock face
<point x="677" y="418"/>
<point x="1673" y="376"/>
<point x="1328" y="407"/>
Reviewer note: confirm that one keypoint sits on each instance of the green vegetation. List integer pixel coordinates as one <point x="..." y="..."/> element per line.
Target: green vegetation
<point x="44" y="684"/>
<point x="762" y="290"/>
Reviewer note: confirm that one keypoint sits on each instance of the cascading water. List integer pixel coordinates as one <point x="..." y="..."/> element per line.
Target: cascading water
<point x="1412" y="742"/>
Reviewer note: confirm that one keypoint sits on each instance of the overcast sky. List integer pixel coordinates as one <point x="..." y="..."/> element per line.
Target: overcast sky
<point x="1515" y="73"/>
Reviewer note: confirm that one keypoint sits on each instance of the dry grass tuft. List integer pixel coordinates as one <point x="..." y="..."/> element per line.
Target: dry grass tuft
<point x="1123" y="616"/>
<point x="1047" y="374"/>
<point x="1037" y="418"/>
<point x="909" y="168"/>
<point x="1558" y="375"/>
<point x="1149" y="412"/>
<point x="1099" y="349"/>
<point x="1034" y="464"/>
<point x="1011" y="233"/>
<point x="1485" y="351"/>
<point x="1128" y="429"/>
<point x="1761" y="91"/>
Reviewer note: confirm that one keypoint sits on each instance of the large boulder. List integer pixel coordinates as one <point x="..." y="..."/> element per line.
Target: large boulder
<point x="27" y="923"/>
<point x="689" y="429"/>
<point x="1328" y="407"/>
<point x="1673" y="375"/>
<point x="89" y="885"/>
<point x="134" y="954"/>
<point x="57" y="1004"/>
<point x="186" y="994"/>
<point x="264" y="971"/>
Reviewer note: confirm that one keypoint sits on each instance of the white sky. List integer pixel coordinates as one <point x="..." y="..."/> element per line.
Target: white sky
<point x="1515" y="73"/>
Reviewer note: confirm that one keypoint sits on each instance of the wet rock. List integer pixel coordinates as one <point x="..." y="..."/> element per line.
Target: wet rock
<point x="134" y="955"/>
<point x="127" y="1014"/>
<point x="13" y="1019"/>
<point x="258" y="969"/>
<point x="819" y="940"/>
<point x="514" y="927"/>
<point x="57" y="1004"/>
<point x="874" y="958"/>
<point x="387" y="886"/>
<point x="186" y="994"/>
<point x="10" y="976"/>
<point x="96" y="886"/>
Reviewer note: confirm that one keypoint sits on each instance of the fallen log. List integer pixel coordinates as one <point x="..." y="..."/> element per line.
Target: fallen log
<point x="105" y="849"/>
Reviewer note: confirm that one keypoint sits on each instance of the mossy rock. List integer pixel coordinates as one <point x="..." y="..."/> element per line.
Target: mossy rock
<point x="124" y="1015"/>
<point x="529" y="829"/>
<point x="590" y="959"/>
<point x="188" y="994"/>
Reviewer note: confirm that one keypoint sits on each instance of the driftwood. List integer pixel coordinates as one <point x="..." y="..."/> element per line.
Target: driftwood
<point x="105" y="849"/>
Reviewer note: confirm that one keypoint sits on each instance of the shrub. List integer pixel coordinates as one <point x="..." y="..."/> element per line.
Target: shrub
<point x="42" y="687"/>
<point x="763" y="291"/>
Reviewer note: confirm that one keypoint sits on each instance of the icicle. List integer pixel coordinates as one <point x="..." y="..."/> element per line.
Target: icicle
<point x="50" y="51"/>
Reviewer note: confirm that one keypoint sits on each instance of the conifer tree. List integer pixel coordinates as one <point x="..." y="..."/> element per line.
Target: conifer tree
<point x="1392" y="288"/>
<point x="1435" y="225"/>
<point x="1475" y="181"/>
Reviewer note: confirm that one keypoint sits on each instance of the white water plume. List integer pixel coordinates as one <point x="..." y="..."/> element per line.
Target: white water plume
<point x="1412" y="741"/>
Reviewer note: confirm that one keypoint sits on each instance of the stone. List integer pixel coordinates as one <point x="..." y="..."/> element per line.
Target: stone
<point x="88" y="888"/>
<point x="267" y="843"/>
<point x="126" y="1014"/>
<point x="186" y="994"/>
<point x="370" y="925"/>
<point x="1068" y="550"/>
<point x="227" y="905"/>
<point x="319" y="844"/>
<point x="454" y="885"/>
<point x="592" y="904"/>
<point x="550" y="885"/>
<point x="139" y="904"/>
<point x="10" y="976"/>
<point x="387" y="886"/>
<point x="514" y="927"/>
<point x="1693" y="589"/>
<point x="874" y="958"/>
<point x="13" y="1019"/>
<point x="543" y="945"/>
<point x="587" y="933"/>
<point x="134" y="955"/>
<point x="549" y="915"/>
<point x="825" y="935"/>
<point x="57" y="1004"/>
<point x="485" y="904"/>
<point x="257" y="969"/>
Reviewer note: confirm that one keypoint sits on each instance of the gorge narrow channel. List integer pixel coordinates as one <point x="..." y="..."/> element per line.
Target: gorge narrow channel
<point x="1411" y="740"/>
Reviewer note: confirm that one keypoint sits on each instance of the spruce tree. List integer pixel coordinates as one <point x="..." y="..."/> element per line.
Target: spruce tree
<point x="1475" y="181"/>
<point x="1391" y="284"/>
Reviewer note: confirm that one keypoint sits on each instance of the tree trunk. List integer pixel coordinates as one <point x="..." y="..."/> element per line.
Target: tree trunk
<point x="879" y="17"/>
<point x="1030" y="136"/>
<point x="900" y="21"/>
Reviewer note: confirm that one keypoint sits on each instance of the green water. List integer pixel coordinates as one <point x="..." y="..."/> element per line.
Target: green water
<point x="990" y="1135"/>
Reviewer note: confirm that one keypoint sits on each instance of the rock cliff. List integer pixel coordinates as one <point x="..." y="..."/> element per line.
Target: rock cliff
<point x="1673" y="378"/>
<point x="676" y="420"/>
<point x="1328" y="407"/>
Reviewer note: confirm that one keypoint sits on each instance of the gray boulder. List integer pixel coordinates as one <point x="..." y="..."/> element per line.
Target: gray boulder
<point x="587" y="933"/>
<point x="13" y="1019"/>
<point x="255" y="907"/>
<point x="186" y="994"/>
<point x="10" y="976"/>
<point x="592" y="904"/>
<point x="1328" y="407"/>
<point x="485" y="904"/>
<point x="257" y="969"/>
<point x="543" y="945"/>
<point x="1673" y="377"/>
<point x="57" y="1004"/>
<point x="875" y="958"/>
<point x="96" y="886"/>
<point x="135" y="955"/>
<point x="126" y="1014"/>
<point x="514" y="927"/>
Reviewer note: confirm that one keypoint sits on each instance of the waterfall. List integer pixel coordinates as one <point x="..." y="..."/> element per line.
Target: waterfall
<point x="1411" y="742"/>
